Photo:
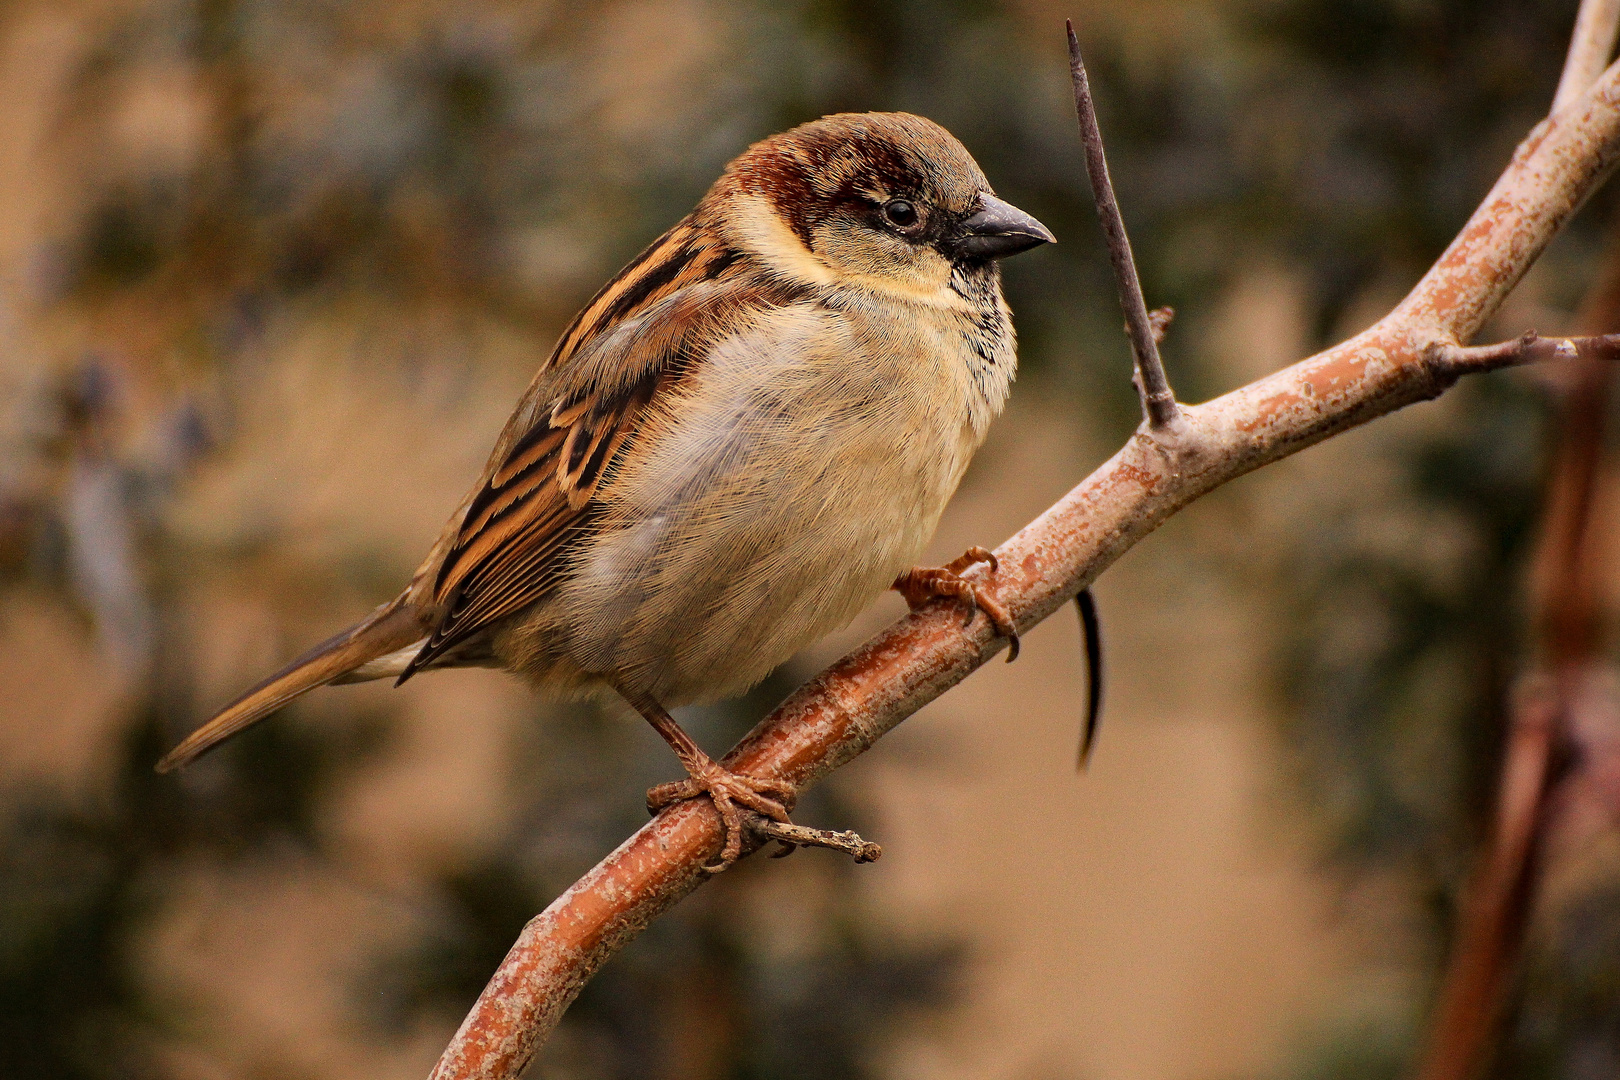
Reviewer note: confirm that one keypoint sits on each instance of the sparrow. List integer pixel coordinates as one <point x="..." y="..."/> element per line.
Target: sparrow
<point x="744" y="438"/>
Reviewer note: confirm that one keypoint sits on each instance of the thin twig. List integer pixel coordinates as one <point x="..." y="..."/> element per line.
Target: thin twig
<point x="848" y="707"/>
<point x="1591" y="45"/>
<point x="1158" y="400"/>
<point x="1453" y="361"/>
<point x="796" y="836"/>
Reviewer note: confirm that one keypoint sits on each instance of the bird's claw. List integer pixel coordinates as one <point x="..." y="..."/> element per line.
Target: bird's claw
<point x="973" y="556"/>
<point x="769" y="798"/>
<point x="921" y="584"/>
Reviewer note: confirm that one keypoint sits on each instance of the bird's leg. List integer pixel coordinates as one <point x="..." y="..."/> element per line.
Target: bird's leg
<point x="768" y="798"/>
<point x="921" y="584"/>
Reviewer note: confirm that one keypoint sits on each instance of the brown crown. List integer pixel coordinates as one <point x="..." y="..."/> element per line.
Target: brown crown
<point x="850" y="161"/>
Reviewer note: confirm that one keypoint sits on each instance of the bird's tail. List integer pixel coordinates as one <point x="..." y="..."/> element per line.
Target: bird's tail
<point x="361" y="652"/>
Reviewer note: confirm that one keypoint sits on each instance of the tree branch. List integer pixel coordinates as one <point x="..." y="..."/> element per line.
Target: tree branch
<point x="1454" y="361"/>
<point x="1158" y="400"/>
<point x="846" y="708"/>
<point x="1546" y="760"/>
<point x="1591" y="45"/>
<point x="1499" y="896"/>
<point x="795" y="836"/>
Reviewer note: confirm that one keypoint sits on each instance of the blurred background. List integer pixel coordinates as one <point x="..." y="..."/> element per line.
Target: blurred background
<point x="272" y="273"/>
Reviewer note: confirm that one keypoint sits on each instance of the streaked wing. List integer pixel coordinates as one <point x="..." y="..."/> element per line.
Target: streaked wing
<point x="636" y="340"/>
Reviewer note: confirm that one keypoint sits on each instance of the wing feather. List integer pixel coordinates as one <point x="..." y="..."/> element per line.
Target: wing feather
<point x="633" y="343"/>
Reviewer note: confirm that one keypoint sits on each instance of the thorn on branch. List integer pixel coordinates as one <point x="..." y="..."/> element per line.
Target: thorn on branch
<point x="1159" y="321"/>
<point x="1091" y="631"/>
<point x="794" y="836"/>
<point x="1158" y="400"/>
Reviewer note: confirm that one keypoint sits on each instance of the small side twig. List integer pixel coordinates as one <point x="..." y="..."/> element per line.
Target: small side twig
<point x="1158" y="400"/>
<point x="1451" y="362"/>
<point x="796" y="836"/>
<point x="1590" y="47"/>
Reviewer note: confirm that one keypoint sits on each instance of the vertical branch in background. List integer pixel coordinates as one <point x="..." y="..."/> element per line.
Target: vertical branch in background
<point x="1542" y="758"/>
<point x="1496" y="907"/>
<point x="1158" y="400"/>
<point x="1538" y="766"/>
<point x="1569" y="607"/>
<point x="1590" y="46"/>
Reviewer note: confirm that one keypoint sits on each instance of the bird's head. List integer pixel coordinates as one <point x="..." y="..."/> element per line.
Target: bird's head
<point x="885" y="197"/>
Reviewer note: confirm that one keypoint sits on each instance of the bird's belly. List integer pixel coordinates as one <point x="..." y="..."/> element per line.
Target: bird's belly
<point x="742" y="552"/>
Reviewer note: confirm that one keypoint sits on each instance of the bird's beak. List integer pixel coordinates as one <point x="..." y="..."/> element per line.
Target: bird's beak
<point x="999" y="229"/>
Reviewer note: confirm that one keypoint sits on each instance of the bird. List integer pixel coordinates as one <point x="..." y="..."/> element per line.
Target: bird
<point x="743" y="439"/>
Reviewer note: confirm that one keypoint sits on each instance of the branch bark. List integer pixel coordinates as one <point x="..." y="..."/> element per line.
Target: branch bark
<point x="846" y="708"/>
<point x="1491" y="931"/>
<point x="1591" y="46"/>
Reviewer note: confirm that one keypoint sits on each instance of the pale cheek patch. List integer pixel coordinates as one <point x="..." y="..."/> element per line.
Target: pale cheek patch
<point x="886" y="262"/>
<point x="757" y="228"/>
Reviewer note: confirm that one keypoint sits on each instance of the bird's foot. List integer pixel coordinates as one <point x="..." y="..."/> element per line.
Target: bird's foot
<point x="921" y="584"/>
<point x="771" y="799"/>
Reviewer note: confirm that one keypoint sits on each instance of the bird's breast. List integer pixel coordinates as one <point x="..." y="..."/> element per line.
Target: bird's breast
<point x="804" y="465"/>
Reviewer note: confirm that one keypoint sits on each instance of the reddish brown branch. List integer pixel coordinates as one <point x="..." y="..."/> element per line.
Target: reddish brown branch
<point x="850" y="705"/>
<point x="1569" y="596"/>
<point x="1541" y="761"/>
<point x="1497" y="903"/>
<point x="1491" y="931"/>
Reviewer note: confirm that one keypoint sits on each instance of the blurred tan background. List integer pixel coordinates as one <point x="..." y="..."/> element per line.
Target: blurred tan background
<point x="272" y="272"/>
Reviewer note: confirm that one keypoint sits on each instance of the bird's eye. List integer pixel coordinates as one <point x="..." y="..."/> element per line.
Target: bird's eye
<point x="900" y="212"/>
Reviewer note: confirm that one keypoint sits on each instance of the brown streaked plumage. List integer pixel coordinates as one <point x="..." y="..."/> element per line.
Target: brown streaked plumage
<point x="742" y="439"/>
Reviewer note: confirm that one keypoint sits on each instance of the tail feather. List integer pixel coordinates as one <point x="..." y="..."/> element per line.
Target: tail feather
<point x="392" y="627"/>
